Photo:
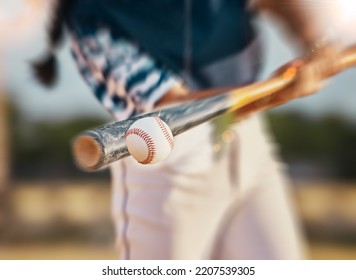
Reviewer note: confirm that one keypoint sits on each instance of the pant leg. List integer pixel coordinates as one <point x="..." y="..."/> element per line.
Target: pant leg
<point x="172" y="210"/>
<point x="264" y="225"/>
<point x="142" y="226"/>
<point x="193" y="206"/>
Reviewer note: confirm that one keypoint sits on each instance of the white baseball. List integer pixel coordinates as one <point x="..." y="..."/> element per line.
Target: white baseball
<point x="149" y="140"/>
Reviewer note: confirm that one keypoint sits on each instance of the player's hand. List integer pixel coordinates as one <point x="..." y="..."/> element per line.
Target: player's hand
<point x="310" y="72"/>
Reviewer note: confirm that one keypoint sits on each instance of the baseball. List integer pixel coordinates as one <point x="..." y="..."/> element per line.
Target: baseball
<point x="149" y="140"/>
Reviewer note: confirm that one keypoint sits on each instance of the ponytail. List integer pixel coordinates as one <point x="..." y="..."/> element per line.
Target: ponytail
<point x="46" y="68"/>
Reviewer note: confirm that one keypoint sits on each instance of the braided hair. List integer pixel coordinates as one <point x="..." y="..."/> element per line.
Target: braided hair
<point x="46" y="68"/>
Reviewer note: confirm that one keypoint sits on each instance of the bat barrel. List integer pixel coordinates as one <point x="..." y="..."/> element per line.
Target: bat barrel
<point x="96" y="148"/>
<point x="87" y="151"/>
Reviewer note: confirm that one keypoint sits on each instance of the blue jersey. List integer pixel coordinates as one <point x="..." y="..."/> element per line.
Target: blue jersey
<point x="131" y="52"/>
<point x="172" y="31"/>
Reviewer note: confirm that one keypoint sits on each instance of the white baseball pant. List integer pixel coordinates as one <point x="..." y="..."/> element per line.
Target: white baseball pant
<point x="196" y="205"/>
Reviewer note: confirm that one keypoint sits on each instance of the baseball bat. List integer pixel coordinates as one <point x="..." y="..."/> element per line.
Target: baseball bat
<point x="96" y="148"/>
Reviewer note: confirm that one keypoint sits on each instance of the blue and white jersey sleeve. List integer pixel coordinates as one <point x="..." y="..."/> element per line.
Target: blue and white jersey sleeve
<point x="125" y="80"/>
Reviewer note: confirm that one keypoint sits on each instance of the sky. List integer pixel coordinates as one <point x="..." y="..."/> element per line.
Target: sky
<point x="71" y="97"/>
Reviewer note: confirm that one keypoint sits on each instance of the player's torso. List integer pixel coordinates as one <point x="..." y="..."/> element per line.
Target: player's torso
<point x="178" y="33"/>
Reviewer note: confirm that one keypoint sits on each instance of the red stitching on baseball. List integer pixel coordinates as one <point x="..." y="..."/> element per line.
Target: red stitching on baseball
<point x="148" y="140"/>
<point x="167" y="135"/>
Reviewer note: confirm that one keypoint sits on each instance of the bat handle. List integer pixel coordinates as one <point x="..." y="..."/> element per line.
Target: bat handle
<point x="348" y="58"/>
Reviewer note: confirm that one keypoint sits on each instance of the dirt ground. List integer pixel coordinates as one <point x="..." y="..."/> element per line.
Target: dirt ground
<point x="40" y="211"/>
<point x="74" y="251"/>
<point x="60" y="251"/>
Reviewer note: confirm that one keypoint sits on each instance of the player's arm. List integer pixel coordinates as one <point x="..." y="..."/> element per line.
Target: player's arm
<point x="321" y="51"/>
<point x="310" y="75"/>
<point x="179" y="93"/>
